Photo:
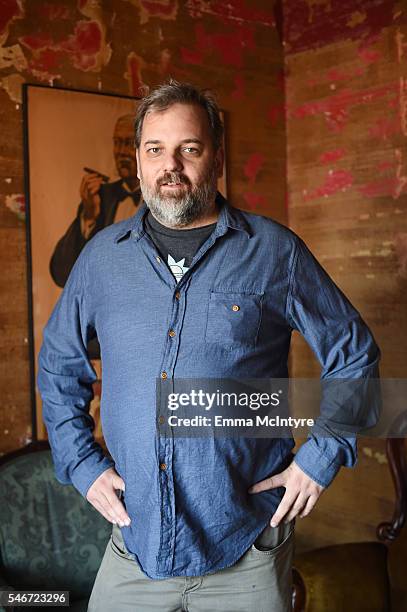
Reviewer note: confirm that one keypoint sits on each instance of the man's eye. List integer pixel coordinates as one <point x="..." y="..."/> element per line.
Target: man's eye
<point x="191" y="150"/>
<point x="153" y="150"/>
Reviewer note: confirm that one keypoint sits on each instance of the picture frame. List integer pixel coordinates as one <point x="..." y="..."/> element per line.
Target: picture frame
<point x="77" y="145"/>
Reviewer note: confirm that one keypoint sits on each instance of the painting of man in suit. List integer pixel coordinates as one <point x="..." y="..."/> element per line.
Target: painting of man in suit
<point x="102" y="202"/>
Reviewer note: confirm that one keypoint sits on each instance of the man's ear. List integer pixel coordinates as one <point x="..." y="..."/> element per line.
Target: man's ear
<point x="219" y="161"/>
<point x="138" y="163"/>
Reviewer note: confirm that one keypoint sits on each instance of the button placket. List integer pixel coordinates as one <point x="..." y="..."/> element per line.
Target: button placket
<point x="165" y="555"/>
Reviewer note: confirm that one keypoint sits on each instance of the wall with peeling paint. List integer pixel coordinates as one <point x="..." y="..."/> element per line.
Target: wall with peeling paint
<point x="347" y="156"/>
<point x="346" y="66"/>
<point x="119" y="46"/>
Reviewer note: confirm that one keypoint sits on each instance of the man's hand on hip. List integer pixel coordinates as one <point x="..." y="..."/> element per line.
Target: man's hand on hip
<point x="301" y="493"/>
<point x="102" y="495"/>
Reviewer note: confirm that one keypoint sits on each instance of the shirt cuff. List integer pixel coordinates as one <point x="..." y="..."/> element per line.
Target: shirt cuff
<point x="316" y="464"/>
<point x="85" y="474"/>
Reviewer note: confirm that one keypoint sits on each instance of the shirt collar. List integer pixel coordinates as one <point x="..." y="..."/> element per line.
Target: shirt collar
<point x="228" y="217"/>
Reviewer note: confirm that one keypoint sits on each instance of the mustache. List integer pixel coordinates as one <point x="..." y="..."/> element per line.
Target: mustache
<point x="173" y="177"/>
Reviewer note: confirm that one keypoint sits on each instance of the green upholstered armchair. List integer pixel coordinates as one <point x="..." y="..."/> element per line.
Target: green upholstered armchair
<point x="50" y="536"/>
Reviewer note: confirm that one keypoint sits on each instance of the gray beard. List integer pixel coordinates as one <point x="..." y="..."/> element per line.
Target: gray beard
<point x="177" y="211"/>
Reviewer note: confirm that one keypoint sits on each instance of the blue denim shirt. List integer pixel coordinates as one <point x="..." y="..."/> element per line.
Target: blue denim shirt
<point x="195" y="516"/>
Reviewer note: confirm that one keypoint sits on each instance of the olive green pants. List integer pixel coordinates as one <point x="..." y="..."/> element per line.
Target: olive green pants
<point x="260" y="581"/>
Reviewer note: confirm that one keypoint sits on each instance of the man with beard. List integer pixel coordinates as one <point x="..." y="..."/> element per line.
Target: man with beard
<point x="101" y="203"/>
<point x="201" y="522"/>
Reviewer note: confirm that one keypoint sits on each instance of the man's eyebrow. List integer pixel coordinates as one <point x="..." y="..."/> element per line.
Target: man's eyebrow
<point x="185" y="140"/>
<point x="196" y="140"/>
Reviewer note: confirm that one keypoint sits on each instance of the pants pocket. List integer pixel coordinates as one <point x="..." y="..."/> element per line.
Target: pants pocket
<point x="118" y="545"/>
<point x="272" y="539"/>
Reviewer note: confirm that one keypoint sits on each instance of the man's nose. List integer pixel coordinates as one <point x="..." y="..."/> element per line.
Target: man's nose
<point x="172" y="162"/>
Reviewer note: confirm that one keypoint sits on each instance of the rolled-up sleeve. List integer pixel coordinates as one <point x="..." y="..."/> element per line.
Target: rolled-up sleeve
<point x="65" y="378"/>
<point x="349" y="357"/>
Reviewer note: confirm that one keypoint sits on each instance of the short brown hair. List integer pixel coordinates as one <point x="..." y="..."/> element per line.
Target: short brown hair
<point x="173" y="92"/>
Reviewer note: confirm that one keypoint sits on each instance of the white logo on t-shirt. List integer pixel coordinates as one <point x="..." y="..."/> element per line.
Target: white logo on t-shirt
<point x="177" y="267"/>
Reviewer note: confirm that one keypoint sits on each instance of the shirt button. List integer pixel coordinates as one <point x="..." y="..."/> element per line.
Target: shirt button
<point x="177" y="295"/>
<point x="164" y="374"/>
<point x="235" y="307"/>
<point x="161" y="419"/>
<point x="158" y="259"/>
<point x="163" y="466"/>
<point x="171" y="333"/>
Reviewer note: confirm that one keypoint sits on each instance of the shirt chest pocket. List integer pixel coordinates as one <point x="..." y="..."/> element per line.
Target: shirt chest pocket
<point x="233" y="318"/>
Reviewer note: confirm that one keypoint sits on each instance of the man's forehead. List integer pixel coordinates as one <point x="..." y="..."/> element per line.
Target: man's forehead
<point x="192" y="116"/>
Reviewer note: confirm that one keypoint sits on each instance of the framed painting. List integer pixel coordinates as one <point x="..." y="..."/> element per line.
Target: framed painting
<point x="81" y="176"/>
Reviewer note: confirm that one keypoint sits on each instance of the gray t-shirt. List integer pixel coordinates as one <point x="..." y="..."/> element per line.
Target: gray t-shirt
<point x="177" y="246"/>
